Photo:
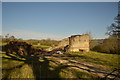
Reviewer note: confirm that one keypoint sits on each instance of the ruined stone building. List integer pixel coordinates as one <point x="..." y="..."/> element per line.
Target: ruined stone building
<point x="75" y="43"/>
<point x="79" y="43"/>
<point x="64" y="42"/>
<point x="61" y="44"/>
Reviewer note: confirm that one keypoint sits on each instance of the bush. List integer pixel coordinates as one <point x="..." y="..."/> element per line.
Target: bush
<point x="110" y="45"/>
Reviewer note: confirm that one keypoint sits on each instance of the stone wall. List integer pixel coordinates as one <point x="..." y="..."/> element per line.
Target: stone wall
<point x="74" y="43"/>
<point x="61" y="44"/>
<point x="79" y="43"/>
<point x="64" y="42"/>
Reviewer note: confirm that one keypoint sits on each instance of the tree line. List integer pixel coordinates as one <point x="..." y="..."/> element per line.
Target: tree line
<point x="112" y="43"/>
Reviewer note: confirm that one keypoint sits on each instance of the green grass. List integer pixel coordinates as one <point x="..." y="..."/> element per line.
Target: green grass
<point x="41" y="46"/>
<point x="15" y="69"/>
<point x="73" y="73"/>
<point x="50" y="68"/>
<point x="1" y="43"/>
<point x="108" y="60"/>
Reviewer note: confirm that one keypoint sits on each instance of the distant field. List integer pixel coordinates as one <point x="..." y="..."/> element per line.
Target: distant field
<point x="2" y="43"/>
<point x="41" y="46"/>
<point x="73" y="65"/>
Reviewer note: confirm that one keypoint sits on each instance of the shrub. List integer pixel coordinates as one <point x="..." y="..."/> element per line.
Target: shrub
<point x="110" y="45"/>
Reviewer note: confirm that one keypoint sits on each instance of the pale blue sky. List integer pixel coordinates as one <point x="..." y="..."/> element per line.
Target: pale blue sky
<point x="60" y="0"/>
<point x="54" y="20"/>
<point x="0" y="17"/>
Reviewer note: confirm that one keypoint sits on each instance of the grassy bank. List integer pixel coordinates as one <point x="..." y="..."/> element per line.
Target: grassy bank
<point x="16" y="67"/>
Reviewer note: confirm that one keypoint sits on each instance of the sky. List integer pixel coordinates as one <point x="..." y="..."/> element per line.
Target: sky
<point x="0" y="17"/>
<point x="57" y="20"/>
<point x="60" y="0"/>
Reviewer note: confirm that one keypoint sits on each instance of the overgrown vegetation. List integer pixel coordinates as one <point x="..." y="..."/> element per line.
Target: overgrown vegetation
<point x="110" y="45"/>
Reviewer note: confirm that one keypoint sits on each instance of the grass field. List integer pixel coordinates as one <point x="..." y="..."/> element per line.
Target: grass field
<point x="108" y="60"/>
<point x="2" y="43"/>
<point x="41" y="46"/>
<point x="73" y="65"/>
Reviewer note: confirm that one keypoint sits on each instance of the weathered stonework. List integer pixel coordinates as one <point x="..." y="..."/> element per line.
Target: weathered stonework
<point x="79" y="43"/>
<point x="61" y="45"/>
<point x="75" y="43"/>
<point x="64" y="42"/>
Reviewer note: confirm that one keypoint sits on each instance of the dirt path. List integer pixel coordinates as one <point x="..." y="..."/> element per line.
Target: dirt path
<point x="83" y="66"/>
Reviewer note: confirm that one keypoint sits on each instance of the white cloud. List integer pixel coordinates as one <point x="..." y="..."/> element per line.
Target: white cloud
<point x="33" y="35"/>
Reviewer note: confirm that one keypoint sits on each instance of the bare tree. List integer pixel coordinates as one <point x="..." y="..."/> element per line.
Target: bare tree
<point x="114" y="28"/>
